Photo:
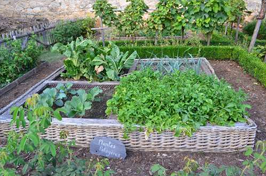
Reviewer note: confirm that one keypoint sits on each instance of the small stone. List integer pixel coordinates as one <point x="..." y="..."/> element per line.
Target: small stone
<point x="164" y="155"/>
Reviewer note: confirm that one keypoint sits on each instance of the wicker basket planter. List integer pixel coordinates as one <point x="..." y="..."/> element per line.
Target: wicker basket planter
<point x="206" y="139"/>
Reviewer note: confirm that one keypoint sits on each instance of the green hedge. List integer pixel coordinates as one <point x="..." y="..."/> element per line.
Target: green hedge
<point x="253" y="65"/>
<point x="211" y="52"/>
<point x="150" y="42"/>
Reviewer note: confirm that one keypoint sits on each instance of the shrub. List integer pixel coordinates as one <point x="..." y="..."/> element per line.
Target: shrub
<point x="249" y="29"/>
<point x="15" y="61"/>
<point x="180" y="102"/>
<point x="66" y="32"/>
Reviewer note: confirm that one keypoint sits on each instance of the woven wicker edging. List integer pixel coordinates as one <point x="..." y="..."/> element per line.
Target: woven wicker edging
<point x="22" y="78"/>
<point x="216" y="139"/>
<point x="206" y="139"/>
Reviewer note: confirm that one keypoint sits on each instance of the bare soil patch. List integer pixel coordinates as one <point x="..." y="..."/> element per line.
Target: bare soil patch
<point x="28" y="83"/>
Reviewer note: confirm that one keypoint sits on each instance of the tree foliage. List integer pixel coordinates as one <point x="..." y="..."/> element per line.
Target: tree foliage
<point x="207" y="15"/>
<point x="165" y="16"/>
<point x="237" y="9"/>
<point x="131" y="20"/>
<point x="105" y="11"/>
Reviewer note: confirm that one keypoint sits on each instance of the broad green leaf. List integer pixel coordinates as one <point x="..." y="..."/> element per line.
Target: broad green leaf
<point x="111" y="74"/>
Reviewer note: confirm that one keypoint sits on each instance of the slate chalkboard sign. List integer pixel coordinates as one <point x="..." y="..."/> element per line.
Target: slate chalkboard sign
<point x="108" y="147"/>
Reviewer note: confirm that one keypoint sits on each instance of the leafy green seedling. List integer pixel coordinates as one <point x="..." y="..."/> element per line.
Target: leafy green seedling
<point x="79" y="104"/>
<point x="62" y="91"/>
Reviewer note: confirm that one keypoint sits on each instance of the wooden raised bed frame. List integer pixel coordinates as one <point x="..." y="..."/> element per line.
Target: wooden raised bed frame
<point x="206" y="139"/>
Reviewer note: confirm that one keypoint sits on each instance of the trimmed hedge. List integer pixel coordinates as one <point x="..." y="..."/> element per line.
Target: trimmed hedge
<point x="253" y="65"/>
<point x="150" y="42"/>
<point x="211" y="52"/>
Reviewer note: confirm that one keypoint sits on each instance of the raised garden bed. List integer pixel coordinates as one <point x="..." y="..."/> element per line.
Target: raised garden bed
<point x="16" y="82"/>
<point x="206" y="139"/>
<point x="201" y="65"/>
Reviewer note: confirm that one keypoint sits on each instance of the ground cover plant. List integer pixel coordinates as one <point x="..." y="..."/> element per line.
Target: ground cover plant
<point x="180" y="102"/>
<point x="85" y="58"/>
<point x="16" y="61"/>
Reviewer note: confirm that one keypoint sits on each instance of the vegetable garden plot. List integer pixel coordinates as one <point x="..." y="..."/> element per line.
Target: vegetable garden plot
<point x="209" y="138"/>
<point x="167" y="65"/>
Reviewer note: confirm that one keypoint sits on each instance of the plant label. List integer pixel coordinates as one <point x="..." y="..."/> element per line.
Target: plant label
<point x="108" y="147"/>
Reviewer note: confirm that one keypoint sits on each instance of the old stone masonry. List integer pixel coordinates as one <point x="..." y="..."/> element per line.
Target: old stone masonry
<point x="67" y="9"/>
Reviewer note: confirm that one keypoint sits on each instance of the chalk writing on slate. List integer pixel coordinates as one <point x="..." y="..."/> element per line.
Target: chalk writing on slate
<point x="108" y="147"/>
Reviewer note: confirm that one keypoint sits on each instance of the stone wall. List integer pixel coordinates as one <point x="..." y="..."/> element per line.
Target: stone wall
<point x="55" y="9"/>
<point x="67" y="9"/>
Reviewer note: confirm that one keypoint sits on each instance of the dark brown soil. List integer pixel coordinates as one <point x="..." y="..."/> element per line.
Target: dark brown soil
<point x="28" y="83"/>
<point x="99" y="107"/>
<point x="239" y="79"/>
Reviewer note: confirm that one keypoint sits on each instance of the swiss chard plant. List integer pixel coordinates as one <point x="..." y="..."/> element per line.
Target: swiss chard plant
<point x="114" y="63"/>
<point x="79" y="55"/>
<point x="180" y="102"/>
<point x="85" y="59"/>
